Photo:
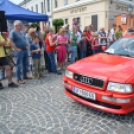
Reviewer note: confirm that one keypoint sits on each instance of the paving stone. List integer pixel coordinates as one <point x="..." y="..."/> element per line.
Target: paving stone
<point x="41" y="107"/>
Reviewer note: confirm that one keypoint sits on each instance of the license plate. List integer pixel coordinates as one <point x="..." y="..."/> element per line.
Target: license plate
<point x="84" y="93"/>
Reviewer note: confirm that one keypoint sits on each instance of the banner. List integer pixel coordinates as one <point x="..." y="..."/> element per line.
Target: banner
<point x="123" y="19"/>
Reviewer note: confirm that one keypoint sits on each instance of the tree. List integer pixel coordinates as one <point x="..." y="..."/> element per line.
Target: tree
<point x="34" y="25"/>
<point x="57" y="23"/>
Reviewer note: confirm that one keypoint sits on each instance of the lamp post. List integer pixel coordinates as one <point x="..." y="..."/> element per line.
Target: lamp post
<point x="129" y="19"/>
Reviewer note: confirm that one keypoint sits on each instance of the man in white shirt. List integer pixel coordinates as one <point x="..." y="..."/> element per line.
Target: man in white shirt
<point x="112" y="34"/>
<point x="78" y="39"/>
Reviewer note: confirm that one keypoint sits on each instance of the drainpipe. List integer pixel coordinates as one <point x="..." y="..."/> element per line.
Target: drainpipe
<point x="45" y="6"/>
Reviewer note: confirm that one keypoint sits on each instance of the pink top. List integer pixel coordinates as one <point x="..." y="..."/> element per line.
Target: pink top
<point x="62" y="39"/>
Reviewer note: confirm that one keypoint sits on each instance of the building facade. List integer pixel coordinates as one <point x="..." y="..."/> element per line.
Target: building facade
<point x="99" y="13"/>
<point x="40" y="6"/>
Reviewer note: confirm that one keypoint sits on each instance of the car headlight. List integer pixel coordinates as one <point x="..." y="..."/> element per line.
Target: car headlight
<point x="69" y="74"/>
<point x="117" y="87"/>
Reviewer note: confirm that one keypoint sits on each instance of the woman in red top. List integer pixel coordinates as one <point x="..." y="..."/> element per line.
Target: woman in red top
<point x="89" y="39"/>
<point x="95" y="43"/>
<point x="50" y="49"/>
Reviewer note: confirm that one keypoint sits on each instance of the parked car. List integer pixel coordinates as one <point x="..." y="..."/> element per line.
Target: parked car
<point x="104" y="81"/>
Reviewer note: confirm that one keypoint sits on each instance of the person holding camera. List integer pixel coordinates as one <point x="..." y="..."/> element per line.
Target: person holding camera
<point x="4" y="64"/>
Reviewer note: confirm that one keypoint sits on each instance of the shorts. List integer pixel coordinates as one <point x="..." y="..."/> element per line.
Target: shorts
<point x="10" y="61"/>
<point x="3" y="61"/>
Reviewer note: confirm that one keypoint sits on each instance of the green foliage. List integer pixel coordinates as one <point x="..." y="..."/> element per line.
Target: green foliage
<point x="57" y="23"/>
<point x="34" y="25"/>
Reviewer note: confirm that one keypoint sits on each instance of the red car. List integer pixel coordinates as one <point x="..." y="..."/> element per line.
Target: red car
<point x="104" y="81"/>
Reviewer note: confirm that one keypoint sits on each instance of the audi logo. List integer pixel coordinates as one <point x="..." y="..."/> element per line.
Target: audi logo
<point x="86" y="80"/>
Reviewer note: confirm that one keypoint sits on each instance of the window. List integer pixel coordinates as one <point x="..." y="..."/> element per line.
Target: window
<point x="65" y="2"/>
<point x="95" y="22"/>
<point x="36" y="8"/>
<point x="66" y="21"/>
<point x="42" y="7"/>
<point x="48" y="5"/>
<point x="31" y="8"/>
<point x="56" y="3"/>
<point x="78" y="20"/>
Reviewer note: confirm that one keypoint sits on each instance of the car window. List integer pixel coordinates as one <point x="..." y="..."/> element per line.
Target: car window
<point x="123" y="47"/>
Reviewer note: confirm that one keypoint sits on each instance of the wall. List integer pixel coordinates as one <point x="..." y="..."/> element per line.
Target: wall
<point x="94" y="8"/>
<point x="115" y="9"/>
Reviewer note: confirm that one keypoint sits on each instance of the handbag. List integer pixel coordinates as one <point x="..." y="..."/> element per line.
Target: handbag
<point x="11" y="54"/>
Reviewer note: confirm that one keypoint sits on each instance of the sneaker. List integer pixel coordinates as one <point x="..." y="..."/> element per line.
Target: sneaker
<point x="21" y="82"/>
<point x="13" y="85"/>
<point x="27" y="78"/>
<point x="1" y="86"/>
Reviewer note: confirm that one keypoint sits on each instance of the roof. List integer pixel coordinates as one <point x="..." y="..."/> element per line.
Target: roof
<point x="15" y="12"/>
<point x="23" y="2"/>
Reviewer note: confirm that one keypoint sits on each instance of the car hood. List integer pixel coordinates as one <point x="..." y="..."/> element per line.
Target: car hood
<point x="105" y="66"/>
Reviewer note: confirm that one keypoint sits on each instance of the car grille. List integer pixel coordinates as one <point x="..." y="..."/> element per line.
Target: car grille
<point x="95" y="82"/>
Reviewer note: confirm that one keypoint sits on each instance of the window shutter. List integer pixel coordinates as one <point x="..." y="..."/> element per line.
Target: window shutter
<point x="95" y="22"/>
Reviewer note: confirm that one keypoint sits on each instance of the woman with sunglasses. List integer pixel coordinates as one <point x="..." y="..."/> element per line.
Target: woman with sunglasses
<point x="62" y="41"/>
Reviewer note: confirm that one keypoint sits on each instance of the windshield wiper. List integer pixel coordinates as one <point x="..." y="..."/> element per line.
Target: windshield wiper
<point x="108" y="53"/>
<point x="126" y="55"/>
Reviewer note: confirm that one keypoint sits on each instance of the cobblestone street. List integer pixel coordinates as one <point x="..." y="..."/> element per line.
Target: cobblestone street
<point x="41" y="107"/>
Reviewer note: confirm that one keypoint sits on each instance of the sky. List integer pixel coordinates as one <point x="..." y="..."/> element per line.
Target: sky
<point x="16" y="1"/>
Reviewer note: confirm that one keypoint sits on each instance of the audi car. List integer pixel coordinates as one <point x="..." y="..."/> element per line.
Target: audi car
<point x="104" y="81"/>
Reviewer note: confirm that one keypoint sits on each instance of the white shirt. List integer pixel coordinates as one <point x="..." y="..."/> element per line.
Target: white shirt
<point x="111" y="35"/>
<point x="78" y="36"/>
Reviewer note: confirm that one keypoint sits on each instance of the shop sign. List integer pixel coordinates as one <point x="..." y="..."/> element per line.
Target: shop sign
<point x="121" y="8"/>
<point x="123" y="18"/>
<point x="78" y="9"/>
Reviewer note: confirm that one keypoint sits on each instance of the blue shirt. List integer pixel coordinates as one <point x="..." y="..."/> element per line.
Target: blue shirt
<point x="18" y="39"/>
<point x="29" y="42"/>
<point x="37" y="54"/>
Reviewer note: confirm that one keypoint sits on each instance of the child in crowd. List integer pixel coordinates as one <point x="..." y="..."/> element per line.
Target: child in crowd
<point x="36" y="55"/>
<point x="83" y="46"/>
<point x="95" y="43"/>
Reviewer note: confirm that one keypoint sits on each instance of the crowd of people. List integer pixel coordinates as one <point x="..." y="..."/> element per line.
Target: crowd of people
<point x="29" y="45"/>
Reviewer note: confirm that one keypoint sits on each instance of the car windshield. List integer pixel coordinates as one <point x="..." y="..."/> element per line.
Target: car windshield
<point x="122" y="47"/>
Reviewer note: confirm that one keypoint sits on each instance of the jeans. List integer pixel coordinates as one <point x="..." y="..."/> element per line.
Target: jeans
<point x="21" y="63"/>
<point x="28" y="63"/>
<point x="83" y="54"/>
<point x="96" y="51"/>
<point x="73" y="54"/>
<point x="51" y="62"/>
<point x="46" y="59"/>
